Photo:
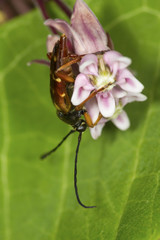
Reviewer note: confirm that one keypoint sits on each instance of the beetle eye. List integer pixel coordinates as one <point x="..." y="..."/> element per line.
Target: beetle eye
<point x="82" y="126"/>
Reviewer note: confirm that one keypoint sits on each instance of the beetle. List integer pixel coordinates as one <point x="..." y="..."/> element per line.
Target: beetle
<point x="62" y="77"/>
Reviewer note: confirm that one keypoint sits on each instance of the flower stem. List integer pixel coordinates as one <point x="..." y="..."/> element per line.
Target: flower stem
<point x="41" y="5"/>
<point x="64" y="7"/>
<point x="39" y="61"/>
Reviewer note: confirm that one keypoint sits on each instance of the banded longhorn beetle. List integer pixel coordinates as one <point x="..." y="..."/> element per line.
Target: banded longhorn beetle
<point x="62" y="80"/>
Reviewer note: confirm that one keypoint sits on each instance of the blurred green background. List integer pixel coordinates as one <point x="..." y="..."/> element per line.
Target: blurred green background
<point x="119" y="172"/>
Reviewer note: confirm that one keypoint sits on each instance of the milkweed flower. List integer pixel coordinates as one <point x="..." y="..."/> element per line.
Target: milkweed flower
<point x="108" y="72"/>
<point x="85" y="34"/>
<point x="101" y="69"/>
<point x="51" y="41"/>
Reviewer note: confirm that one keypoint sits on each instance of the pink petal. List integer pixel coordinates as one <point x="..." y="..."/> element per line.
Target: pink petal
<point x="51" y="40"/>
<point x="122" y="121"/>
<point x="111" y="57"/>
<point x="128" y="82"/>
<point x="116" y="61"/>
<point x="97" y="130"/>
<point x="74" y="38"/>
<point x="85" y="23"/>
<point x="88" y="64"/>
<point x="138" y="97"/>
<point x="82" y="89"/>
<point x="106" y="104"/>
<point x="92" y="109"/>
<point x="118" y="92"/>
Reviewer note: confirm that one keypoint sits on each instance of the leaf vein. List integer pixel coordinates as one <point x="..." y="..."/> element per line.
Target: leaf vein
<point x="134" y="169"/>
<point x="149" y="114"/>
<point x="19" y="57"/>
<point x="4" y="163"/>
<point x="151" y="217"/>
<point x="124" y="17"/>
<point x="128" y="15"/>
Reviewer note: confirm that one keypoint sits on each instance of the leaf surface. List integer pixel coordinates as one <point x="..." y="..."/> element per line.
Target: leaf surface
<point x="119" y="172"/>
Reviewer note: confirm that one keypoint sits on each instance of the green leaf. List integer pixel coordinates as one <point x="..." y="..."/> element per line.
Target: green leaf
<point x="119" y="172"/>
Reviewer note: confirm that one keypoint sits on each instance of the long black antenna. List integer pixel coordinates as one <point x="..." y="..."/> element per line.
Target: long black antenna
<point x="59" y="144"/>
<point x="75" y="174"/>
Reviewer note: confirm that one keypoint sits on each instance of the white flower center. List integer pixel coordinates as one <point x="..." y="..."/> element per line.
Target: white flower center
<point x="105" y="78"/>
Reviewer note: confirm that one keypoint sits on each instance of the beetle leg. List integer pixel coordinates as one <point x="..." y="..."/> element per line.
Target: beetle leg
<point x="61" y="75"/>
<point x="72" y="55"/>
<point x="68" y="64"/>
<point x="89" y="120"/>
<point x="93" y="93"/>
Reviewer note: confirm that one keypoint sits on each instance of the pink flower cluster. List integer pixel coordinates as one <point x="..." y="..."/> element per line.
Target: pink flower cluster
<point x="101" y="69"/>
<point x="109" y="72"/>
